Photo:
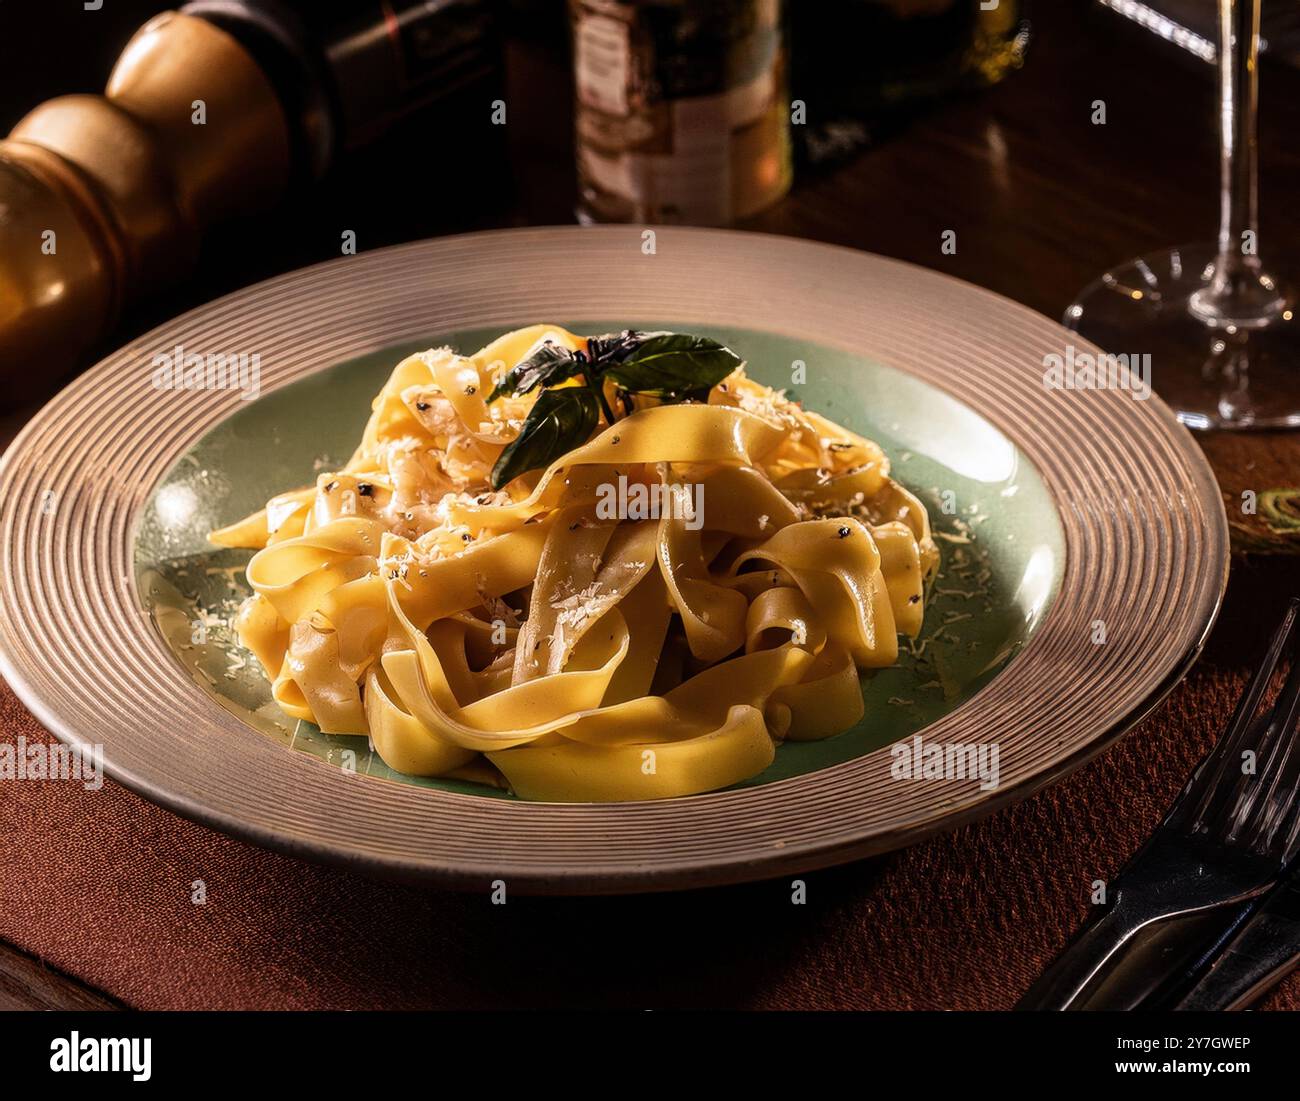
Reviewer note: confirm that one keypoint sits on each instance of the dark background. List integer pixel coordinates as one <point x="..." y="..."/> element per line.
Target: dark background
<point x="1054" y="202"/>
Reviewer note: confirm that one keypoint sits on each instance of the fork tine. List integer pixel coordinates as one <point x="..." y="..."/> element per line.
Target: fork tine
<point x="1235" y="815"/>
<point x="1271" y="802"/>
<point x="1209" y="786"/>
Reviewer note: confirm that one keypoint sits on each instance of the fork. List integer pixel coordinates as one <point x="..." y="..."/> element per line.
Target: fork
<point x="1263" y="953"/>
<point x="1224" y="844"/>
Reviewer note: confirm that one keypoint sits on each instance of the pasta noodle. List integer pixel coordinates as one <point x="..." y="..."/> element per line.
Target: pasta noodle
<point x="647" y="616"/>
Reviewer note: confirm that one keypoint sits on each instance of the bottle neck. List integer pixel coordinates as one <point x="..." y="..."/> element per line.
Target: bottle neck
<point x="345" y="76"/>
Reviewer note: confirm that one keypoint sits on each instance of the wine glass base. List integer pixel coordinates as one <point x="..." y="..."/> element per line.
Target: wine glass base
<point x="1213" y="375"/>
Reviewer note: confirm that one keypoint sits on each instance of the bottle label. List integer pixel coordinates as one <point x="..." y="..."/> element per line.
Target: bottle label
<point x="603" y="64"/>
<point x="704" y="158"/>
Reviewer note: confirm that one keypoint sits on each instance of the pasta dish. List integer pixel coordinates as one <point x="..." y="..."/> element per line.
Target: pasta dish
<point x="586" y="569"/>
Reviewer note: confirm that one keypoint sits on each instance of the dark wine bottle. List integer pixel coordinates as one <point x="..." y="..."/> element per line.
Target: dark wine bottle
<point x="346" y="72"/>
<point x="860" y="66"/>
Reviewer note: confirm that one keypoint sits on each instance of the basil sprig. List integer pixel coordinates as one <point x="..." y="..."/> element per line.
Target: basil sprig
<point x="559" y="421"/>
<point x="671" y="367"/>
<point x="549" y="365"/>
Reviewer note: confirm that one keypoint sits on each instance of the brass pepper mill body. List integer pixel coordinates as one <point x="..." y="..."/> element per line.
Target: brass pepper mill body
<point x="105" y="198"/>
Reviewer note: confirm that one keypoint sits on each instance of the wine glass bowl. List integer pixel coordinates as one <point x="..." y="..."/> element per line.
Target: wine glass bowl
<point x="1222" y="367"/>
<point x="1219" y="327"/>
<point x="1246" y="297"/>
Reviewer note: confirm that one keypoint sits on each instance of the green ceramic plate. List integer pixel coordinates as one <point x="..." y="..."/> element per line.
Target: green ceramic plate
<point x="1001" y="541"/>
<point x="1083" y="539"/>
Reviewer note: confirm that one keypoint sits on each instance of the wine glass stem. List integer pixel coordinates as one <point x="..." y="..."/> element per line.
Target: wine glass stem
<point x="1238" y="104"/>
<point x="1239" y="293"/>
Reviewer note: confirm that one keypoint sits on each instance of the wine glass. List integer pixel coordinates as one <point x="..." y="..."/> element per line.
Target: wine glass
<point x="1220" y="327"/>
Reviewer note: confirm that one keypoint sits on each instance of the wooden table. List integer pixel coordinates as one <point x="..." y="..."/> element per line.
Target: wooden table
<point x="1041" y="200"/>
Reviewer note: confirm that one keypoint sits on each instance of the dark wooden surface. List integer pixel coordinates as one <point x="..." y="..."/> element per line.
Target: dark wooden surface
<point x="26" y="983"/>
<point x="1041" y="200"/>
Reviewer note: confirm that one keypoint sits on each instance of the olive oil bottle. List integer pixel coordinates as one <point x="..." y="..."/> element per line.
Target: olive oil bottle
<point x="682" y="109"/>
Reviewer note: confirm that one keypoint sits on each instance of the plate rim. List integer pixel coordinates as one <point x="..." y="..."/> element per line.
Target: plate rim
<point x="740" y="867"/>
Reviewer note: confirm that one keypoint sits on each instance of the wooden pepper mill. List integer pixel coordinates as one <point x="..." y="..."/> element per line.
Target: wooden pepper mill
<point x="105" y="198"/>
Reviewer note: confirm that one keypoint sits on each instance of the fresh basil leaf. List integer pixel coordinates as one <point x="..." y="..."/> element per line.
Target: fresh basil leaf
<point x="549" y="365"/>
<point x="559" y="421"/>
<point x="616" y="347"/>
<point x="673" y="364"/>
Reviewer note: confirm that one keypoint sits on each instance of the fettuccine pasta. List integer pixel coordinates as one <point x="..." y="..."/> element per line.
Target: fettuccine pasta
<point x="649" y="615"/>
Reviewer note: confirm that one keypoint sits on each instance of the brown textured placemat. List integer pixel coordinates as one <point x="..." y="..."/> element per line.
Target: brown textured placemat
<point x="99" y="884"/>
